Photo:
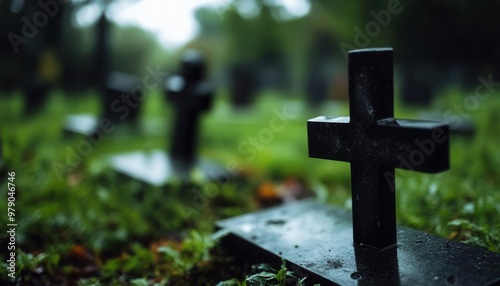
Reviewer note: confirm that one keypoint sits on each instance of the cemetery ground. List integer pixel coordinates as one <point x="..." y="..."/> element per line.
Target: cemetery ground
<point x="80" y="223"/>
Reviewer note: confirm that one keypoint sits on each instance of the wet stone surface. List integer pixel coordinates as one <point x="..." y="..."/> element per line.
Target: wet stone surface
<point x="327" y="255"/>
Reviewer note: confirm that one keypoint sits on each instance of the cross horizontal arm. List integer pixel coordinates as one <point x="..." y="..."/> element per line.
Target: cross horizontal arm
<point x="414" y="145"/>
<point x="329" y="138"/>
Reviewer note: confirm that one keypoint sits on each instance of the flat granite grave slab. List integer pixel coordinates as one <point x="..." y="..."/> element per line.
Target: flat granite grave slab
<point x="85" y="124"/>
<point x="157" y="167"/>
<point x="316" y="240"/>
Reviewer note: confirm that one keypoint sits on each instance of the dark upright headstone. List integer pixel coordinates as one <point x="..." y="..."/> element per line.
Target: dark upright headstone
<point x="87" y="124"/>
<point x="450" y="25"/>
<point x="320" y="75"/>
<point x="190" y="94"/>
<point x="416" y="86"/>
<point x="122" y="98"/>
<point x="317" y="86"/>
<point x="33" y="65"/>
<point x="243" y="85"/>
<point x="419" y="86"/>
<point x="121" y="104"/>
<point x="273" y="71"/>
<point x="317" y="240"/>
<point x="1" y="152"/>
<point x="36" y="93"/>
<point x="101" y="49"/>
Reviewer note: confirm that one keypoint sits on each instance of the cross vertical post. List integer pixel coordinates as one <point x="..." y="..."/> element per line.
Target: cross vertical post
<point x="371" y="99"/>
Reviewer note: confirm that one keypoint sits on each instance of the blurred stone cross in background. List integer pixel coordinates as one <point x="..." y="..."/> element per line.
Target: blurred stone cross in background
<point x="191" y="94"/>
<point x="375" y="143"/>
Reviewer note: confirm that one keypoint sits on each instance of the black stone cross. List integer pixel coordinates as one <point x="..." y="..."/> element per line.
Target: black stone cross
<point x="375" y="144"/>
<point x="191" y="94"/>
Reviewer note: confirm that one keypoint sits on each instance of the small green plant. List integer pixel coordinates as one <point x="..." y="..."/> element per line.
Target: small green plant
<point x="267" y="276"/>
<point x="470" y="232"/>
<point x="29" y="264"/>
<point x="138" y="263"/>
<point x="89" y="282"/>
<point x="139" y="282"/>
<point x="195" y="249"/>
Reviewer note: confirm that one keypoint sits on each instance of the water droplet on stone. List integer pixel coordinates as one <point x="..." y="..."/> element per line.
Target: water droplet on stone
<point x="356" y="275"/>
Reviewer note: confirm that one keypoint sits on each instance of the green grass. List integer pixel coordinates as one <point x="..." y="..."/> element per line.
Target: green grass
<point x="93" y="219"/>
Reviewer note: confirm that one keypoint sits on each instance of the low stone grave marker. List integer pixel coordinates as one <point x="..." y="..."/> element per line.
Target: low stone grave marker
<point x="119" y="105"/>
<point x="35" y="96"/>
<point x="243" y="85"/>
<point x="365" y="247"/>
<point x="123" y="97"/>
